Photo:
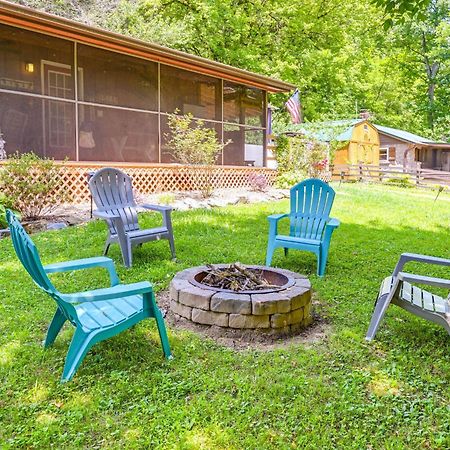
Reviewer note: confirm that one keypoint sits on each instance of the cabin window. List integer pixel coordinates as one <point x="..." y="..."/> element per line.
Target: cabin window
<point x="387" y="154"/>
<point x="384" y="154"/>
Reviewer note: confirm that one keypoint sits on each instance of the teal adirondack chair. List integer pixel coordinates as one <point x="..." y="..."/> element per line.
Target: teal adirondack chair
<point x="310" y="224"/>
<point x="96" y="315"/>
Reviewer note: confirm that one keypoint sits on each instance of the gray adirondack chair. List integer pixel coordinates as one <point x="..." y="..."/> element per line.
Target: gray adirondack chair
<point x="112" y="192"/>
<point x="401" y="290"/>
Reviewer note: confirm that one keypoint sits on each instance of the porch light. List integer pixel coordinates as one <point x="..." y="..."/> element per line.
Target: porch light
<point x="29" y="67"/>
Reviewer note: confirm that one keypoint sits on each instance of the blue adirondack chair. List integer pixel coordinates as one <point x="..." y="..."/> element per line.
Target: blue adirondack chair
<point x="97" y="314"/>
<point x="310" y="224"/>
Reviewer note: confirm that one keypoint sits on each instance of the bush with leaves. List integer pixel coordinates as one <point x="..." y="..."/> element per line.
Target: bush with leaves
<point x="403" y="181"/>
<point x="299" y="157"/>
<point x="191" y="142"/>
<point x="28" y="184"/>
<point x="258" y="182"/>
<point x="4" y="203"/>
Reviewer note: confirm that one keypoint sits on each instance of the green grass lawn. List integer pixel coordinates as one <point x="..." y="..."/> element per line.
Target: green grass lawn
<point x="340" y="392"/>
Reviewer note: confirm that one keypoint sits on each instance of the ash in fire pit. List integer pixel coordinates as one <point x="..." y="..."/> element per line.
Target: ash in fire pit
<point x="242" y="297"/>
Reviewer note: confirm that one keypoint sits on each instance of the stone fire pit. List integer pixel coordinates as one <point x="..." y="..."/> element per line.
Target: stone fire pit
<point x="280" y="309"/>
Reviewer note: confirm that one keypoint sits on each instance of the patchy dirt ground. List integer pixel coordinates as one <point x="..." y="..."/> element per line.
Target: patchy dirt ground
<point x="247" y="339"/>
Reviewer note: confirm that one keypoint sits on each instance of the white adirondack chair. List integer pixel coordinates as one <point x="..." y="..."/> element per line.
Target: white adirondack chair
<point x="401" y="289"/>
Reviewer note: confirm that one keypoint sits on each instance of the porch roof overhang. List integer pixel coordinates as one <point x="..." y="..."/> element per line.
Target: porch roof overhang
<point x="31" y="19"/>
<point x="434" y="145"/>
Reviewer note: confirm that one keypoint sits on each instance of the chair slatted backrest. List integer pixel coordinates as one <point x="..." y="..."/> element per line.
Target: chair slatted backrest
<point x="28" y="255"/>
<point x="112" y="192"/>
<point x="311" y="202"/>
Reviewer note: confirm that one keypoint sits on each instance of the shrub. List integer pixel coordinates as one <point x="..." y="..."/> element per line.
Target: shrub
<point x="299" y="157"/>
<point x="403" y="182"/>
<point x="4" y="203"/>
<point x="28" y="184"/>
<point x="192" y="143"/>
<point x="3" y="222"/>
<point x="258" y="182"/>
<point x="166" y="199"/>
<point x="288" y="179"/>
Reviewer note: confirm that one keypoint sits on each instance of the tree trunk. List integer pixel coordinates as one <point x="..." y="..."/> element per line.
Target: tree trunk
<point x="432" y="69"/>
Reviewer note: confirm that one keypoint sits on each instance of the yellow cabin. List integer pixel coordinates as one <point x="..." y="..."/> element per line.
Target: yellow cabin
<point x="360" y="139"/>
<point x="362" y="145"/>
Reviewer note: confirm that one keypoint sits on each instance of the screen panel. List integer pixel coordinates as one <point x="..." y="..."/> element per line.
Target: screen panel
<point x="166" y="152"/>
<point x="109" y="134"/>
<point x="190" y="92"/>
<point x="114" y="79"/>
<point x="36" y="63"/>
<point x="243" y="104"/>
<point x="246" y="147"/>
<point x="44" y="127"/>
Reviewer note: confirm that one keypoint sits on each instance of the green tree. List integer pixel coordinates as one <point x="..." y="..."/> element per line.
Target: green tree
<point x="423" y="52"/>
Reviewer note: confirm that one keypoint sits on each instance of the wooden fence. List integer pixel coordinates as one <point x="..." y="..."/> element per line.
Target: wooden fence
<point x="394" y="174"/>
<point x="154" y="178"/>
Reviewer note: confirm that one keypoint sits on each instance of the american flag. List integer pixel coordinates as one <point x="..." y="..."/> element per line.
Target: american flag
<point x="294" y="107"/>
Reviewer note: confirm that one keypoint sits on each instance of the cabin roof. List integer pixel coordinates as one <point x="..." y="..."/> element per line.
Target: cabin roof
<point x="334" y="130"/>
<point x="404" y="135"/>
<point x="28" y="18"/>
<point x="342" y="130"/>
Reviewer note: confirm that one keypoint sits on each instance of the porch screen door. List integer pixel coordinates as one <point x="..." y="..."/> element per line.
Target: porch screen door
<point x="58" y="116"/>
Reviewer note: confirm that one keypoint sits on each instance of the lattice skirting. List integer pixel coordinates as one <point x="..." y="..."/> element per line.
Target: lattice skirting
<point x="156" y="178"/>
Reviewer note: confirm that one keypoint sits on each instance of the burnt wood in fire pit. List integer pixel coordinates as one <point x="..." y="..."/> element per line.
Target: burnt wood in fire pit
<point x="241" y="279"/>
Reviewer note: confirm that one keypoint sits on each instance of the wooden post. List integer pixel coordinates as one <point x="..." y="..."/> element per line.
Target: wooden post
<point x="418" y="171"/>
<point x="360" y="172"/>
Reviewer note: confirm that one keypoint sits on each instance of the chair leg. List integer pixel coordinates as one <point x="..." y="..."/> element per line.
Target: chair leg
<point x="106" y="248"/>
<point x="381" y="307"/>
<point x="80" y="345"/>
<point x="172" y="246"/>
<point x="127" y="255"/>
<point x="161" y="325"/>
<point x="322" y="258"/>
<point x="269" y="255"/>
<point x="54" y="328"/>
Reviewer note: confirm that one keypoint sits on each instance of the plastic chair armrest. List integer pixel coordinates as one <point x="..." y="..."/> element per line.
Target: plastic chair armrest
<point x="86" y="263"/>
<point x="159" y="208"/>
<point x="105" y="215"/>
<point x="406" y="257"/>
<point x="430" y="281"/>
<point x="333" y="223"/>
<point x="276" y="217"/>
<point x="114" y="292"/>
